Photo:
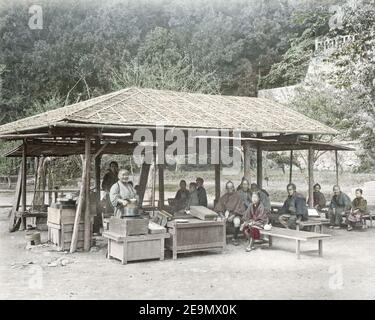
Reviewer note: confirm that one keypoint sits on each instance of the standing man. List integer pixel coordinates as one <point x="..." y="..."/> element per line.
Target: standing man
<point x="340" y="205"/>
<point x="202" y="195"/>
<point x="294" y="209"/>
<point x="109" y="179"/>
<point x="231" y="207"/>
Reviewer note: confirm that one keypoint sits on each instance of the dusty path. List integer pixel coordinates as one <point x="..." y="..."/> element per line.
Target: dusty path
<point x="345" y="272"/>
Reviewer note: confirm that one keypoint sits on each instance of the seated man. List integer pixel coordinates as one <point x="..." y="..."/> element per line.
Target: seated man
<point x="193" y="196"/>
<point x="264" y="196"/>
<point x="319" y="200"/>
<point x="340" y="205"/>
<point x="294" y="209"/>
<point x="230" y="206"/>
<point x="359" y="208"/>
<point x="255" y="218"/>
<point x="202" y="194"/>
<point x="182" y="197"/>
<point x="244" y="192"/>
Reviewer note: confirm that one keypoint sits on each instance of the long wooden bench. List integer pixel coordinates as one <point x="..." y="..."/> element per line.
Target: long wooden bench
<point x="296" y="235"/>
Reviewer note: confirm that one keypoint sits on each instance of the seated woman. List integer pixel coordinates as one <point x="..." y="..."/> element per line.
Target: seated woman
<point x="255" y="218"/>
<point x="359" y="208"/>
<point x="182" y="197"/>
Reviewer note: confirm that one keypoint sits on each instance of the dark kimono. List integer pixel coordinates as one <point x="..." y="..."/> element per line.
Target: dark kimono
<point x="359" y="208"/>
<point x="319" y="200"/>
<point x="340" y="205"/>
<point x="181" y="199"/>
<point x="202" y="196"/>
<point x="246" y="197"/>
<point x="231" y="202"/>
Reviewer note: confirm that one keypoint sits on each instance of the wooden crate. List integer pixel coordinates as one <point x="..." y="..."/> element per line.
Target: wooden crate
<point x="135" y="248"/>
<point x="61" y="235"/>
<point x="196" y="235"/>
<point x="128" y="226"/>
<point x="62" y="215"/>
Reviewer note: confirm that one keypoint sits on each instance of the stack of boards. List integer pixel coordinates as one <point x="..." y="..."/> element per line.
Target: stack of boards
<point x="203" y="213"/>
<point x="134" y="226"/>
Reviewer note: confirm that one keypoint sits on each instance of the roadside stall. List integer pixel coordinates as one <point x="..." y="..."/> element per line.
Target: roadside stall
<point x="110" y="124"/>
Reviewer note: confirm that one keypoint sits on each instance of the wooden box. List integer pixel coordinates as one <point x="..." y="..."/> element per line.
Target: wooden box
<point x="134" y="248"/>
<point x="62" y="215"/>
<point x="203" y="213"/>
<point x="128" y="226"/>
<point x="196" y="235"/>
<point x="61" y="235"/>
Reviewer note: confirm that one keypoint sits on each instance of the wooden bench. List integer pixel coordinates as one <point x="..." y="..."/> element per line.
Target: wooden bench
<point x="296" y="235"/>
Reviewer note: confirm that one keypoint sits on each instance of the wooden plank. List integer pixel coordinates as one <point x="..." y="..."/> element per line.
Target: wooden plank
<point x="311" y="174"/>
<point x="247" y="156"/>
<point x="23" y="184"/>
<point x="203" y="213"/>
<point x="259" y="164"/>
<point x="16" y="202"/>
<point x="217" y="182"/>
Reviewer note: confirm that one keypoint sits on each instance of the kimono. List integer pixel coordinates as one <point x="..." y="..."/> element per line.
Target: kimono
<point x="340" y="205"/>
<point x="294" y="208"/>
<point x="246" y="197"/>
<point x="359" y="204"/>
<point x="181" y="199"/>
<point x="319" y="200"/>
<point x="255" y="218"/>
<point x="231" y="202"/>
<point x="109" y="180"/>
<point x="264" y="199"/>
<point x="234" y="204"/>
<point x="121" y="191"/>
<point x="193" y="199"/>
<point x="202" y="196"/>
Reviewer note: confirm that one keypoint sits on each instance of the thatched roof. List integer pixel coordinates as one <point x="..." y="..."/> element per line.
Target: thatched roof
<point x="135" y="107"/>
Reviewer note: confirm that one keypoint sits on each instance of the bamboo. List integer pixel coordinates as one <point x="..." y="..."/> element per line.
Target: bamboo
<point x="23" y="184"/>
<point x="291" y="166"/>
<point x="161" y="186"/>
<point x="247" y="169"/>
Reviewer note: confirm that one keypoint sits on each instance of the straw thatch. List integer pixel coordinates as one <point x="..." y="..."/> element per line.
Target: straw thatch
<point x="135" y="107"/>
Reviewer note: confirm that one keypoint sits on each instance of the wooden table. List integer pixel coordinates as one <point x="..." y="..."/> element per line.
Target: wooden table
<point x="296" y="235"/>
<point x="195" y="235"/>
<point x="134" y="248"/>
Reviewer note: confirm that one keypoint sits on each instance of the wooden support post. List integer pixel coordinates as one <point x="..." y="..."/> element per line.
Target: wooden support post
<point x="291" y="167"/>
<point x="217" y="182"/>
<point x="246" y="160"/>
<point x="16" y="202"/>
<point x="337" y="167"/>
<point x="143" y="182"/>
<point x="81" y="200"/>
<point x="87" y="225"/>
<point x="161" y="186"/>
<point x="259" y="167"/>
<point x="311" y="174"/>
<point x="24" y="177"/>
<point x="98" y="161"/>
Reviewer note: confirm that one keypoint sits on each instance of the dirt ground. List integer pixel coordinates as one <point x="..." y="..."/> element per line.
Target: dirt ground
<point x="345" y="272"/>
